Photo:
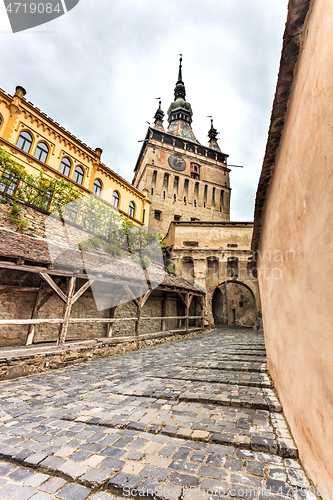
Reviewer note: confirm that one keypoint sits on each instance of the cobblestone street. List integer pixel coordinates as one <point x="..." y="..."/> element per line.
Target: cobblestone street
<point x="164" y="421"/>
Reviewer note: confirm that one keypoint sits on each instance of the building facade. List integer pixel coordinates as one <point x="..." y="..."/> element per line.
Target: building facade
<point x="38" y="143"/>
<point x="185" y="180"/>
<point x="293" y="226"/>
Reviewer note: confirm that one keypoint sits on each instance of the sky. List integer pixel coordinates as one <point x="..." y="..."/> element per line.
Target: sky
<point x="98" y="70"/>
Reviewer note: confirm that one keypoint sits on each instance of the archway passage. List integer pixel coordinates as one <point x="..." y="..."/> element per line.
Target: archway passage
<point x="233" y="303"/>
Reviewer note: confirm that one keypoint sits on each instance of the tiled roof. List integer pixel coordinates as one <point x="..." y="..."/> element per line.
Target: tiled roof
<point x="37" y="251"/>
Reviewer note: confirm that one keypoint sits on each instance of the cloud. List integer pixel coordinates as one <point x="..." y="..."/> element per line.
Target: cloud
<point x="99" y="70"/>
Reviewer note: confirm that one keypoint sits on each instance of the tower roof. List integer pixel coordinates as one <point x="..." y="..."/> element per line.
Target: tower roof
<point x="180" y="111"/>
<point x="212" y="134"/>
<point x="159" y="116"/>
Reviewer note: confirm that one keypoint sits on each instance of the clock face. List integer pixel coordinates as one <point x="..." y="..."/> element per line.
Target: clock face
<point x="177" y="162"/>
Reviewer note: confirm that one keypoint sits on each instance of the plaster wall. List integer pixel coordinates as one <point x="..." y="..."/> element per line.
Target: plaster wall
<point x="296" y="253"/>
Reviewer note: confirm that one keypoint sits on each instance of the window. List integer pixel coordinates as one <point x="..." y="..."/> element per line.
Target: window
<point x="195" y="203"/>
<point x="154" y="178"/>
<point x="41" y="152"/>
<point x="176" y="182"/>
<point x="185" y="200"/>
<point x="195" y="171"/>
<point x="8" y="183"/>
<point x="186" y="185"/>
<point x="115" y="199"/>
<point x="166" y="181"/>
<point x="143" y="216"/>
<point x="157" y="215"/>
<point x="0" y="120"/>
<point x="174" y="198"/>
<point x="65" y="166"/>
<point x="195" y="219"/>
<point x="97" y="188"/>
<point x="163" y="195"/>
<point x="78" y="175"/>
<point x="152" y="191"/>
<point x="232" y="267"/>
<point x="176" y="218"/>
<point x="24" y="141"/>
<point x="131" y="209"/>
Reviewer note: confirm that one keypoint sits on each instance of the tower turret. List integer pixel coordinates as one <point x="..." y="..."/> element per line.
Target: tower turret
<point x="212" y="134"/>
<point x="159" y="117"/>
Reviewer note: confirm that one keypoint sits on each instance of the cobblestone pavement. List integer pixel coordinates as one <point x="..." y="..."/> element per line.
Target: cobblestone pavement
<point x="196" y="418"/>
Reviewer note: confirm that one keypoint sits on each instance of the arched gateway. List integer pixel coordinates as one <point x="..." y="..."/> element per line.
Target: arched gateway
<point x="233" y="303"/>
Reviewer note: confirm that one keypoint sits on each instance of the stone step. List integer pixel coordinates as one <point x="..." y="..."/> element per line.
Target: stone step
<point x="229" y="366"/>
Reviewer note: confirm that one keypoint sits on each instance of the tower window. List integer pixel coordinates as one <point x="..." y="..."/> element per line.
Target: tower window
<point x="176" y="218"/>
<point x="195" y="171"/>
<point x="163" y="195"/>
<point x="24" y="141"/>
<point x="205" y="192"/>
<point x="186" y="185"/>
<point x="174" y="198"/>
<point x="185" y="200"/>
<point x="153" y="181"/>
<point x="41" y="152"/>
<point x="143" y="216"/>
<point x="65" y="166"/>
<point x="195" y="203"/>
<point x="166" y="181"/>
<point x="213" y="197"/>
<point x="176" y="182"/>
<point x="196" y="188"/>
<point x="115" y="199"/>
<point x="152" y="191"/>
<point x="97" y="188"/>
<point x="157" y="215"/>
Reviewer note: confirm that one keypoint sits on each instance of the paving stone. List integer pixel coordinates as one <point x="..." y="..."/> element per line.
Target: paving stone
<point x="215" y="487"/>
<point x="184" y="479"/>
<point x="52" y="463"/>
<point x="74" y="491"/>
<point x="53" y="485"/>
<point x="95" y="477"/>
<point x="256" y="468"/>
<point x="157" y="473"/>
<point x="8" y="490"/>
<point x="72" y="469"/>
<point x="123" y="482"/>
<point x="24" y="493"/>
<point x="20" y="475"/>
<point x="36" y="480"/>
<point x="212" y="472"/>
<point x="102" y="496"/>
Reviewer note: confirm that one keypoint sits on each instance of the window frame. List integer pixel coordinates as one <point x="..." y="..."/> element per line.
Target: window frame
<point x="78" y="174"/>
<point x="70" y="166"/>
<point x="131" y="207"/>
<point x="115" y="197"/>
<point x="100" y="186"/>
<point x="24" y="141"/>
<point x="42" y="151"/>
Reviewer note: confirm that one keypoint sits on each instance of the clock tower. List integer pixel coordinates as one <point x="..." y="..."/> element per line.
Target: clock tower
<point x="184" y="180"/>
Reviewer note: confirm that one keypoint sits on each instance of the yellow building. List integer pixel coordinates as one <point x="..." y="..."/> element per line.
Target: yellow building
<point x="38" y="143"/>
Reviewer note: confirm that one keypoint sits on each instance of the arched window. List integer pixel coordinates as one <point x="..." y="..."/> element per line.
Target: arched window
<point x="24" y="141"/>
<point x="41" y="152"/>
<point x="131" y="210"/>
<point x="1" y="120"/>
<point x="78" y="175"/>
<point x="97" y="188"/>
<point x="115" y="199"/>
<point x="65" y="166"/>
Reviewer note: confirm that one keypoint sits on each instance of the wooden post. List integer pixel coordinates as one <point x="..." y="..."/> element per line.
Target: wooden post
<point x="138" y="318"/>
<point x="112" y="312"/>
<point x="187" y="310"/>
<point x="67" y="311"/>
<point x="31" y="332"/>
<point x="163" y="323"/>
<point x="202" y="312"/>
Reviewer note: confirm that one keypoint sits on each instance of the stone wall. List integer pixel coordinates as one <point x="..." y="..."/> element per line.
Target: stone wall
<point x="19" y="305"/>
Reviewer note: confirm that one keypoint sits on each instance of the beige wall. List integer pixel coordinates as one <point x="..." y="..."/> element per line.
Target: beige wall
<point x="200" y="253"/>
<point x="297" y="291"/>
<point x="18" y="115"/>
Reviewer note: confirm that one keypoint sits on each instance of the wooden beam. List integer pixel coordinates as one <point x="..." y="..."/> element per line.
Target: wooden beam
<point x="50" y="294"/>
<point x="53" y="285"/>
<point x="163" y="323"/>
<point x="10" y="288"/>
<point x="34" y="315"/>
<point x="131" y="294"/>
<point x="138" y="318"/>
<point x="67" y="310"/>
<point x="112" y="312"/>
<point x="146" y="297"/>
<point x="187" y="310"/>
<point x="58" y="321"/>
<point x="181" y="297"/>
<point x="82" y="290"/>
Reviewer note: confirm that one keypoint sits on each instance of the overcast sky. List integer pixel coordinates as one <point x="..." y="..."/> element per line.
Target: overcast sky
<point x="98" y="69"/>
